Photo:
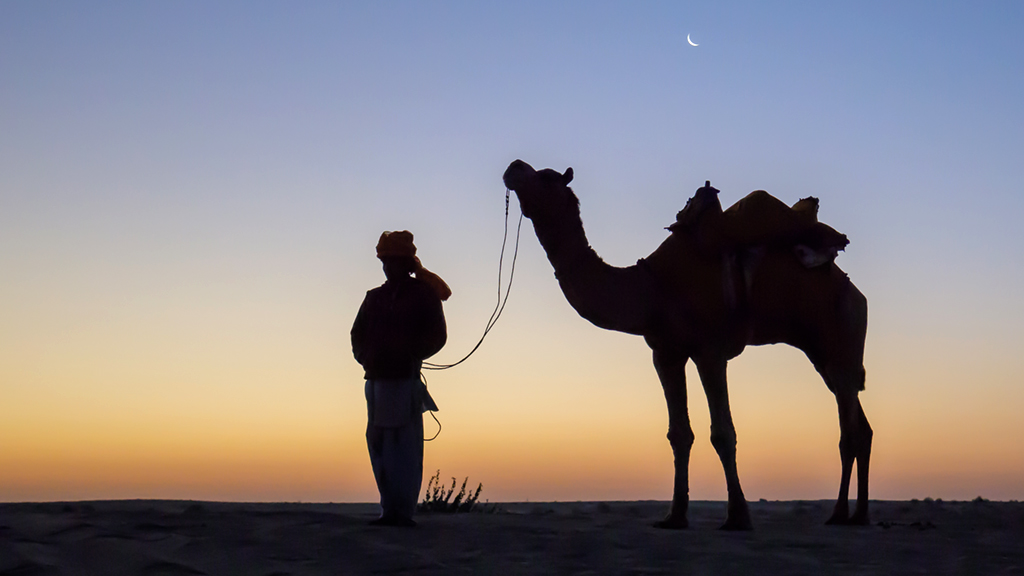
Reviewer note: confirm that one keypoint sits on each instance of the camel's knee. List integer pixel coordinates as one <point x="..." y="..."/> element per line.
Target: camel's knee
<point x="864" y="436"/>
<point x="862" y="422"/>
<point x="847" y="445"/>
<point x="680" y="438"/>
<point x="856" y="441"/>
<point x="724" y="441"/>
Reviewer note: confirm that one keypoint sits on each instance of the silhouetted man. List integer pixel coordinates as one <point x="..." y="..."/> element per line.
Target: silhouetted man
<point x="399" y="325"/>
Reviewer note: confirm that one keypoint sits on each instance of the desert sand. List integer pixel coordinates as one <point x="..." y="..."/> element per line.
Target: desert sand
<point x="155" y="537"/>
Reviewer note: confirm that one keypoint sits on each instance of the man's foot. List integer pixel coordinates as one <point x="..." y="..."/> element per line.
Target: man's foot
<point x="393" y="521"/>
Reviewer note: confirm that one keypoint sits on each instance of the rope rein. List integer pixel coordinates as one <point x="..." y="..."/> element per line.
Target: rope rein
<point x="499" y="307"/>
<point x="438" y="433"/>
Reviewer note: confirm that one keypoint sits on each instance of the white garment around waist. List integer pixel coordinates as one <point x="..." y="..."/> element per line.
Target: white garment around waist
<point x="392" y="402"/>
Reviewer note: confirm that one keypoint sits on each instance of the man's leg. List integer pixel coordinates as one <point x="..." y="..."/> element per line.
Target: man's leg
<point x="376" y="438"/>
<point x="404" y="457"/>
<point x="396" y="454"/>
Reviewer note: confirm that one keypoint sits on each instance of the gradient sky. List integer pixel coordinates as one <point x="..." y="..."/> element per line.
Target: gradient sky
<point x="191" y="192"/>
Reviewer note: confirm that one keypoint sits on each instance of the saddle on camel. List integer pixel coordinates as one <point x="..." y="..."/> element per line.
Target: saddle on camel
<point x="742" y="233"/>
<point x="759" y="219"/>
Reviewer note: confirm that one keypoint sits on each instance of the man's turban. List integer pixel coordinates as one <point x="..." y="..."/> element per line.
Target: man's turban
<point x="399" y="245"/>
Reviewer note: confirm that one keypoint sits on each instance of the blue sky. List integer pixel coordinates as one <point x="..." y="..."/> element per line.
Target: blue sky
<point x="190" y="194"/>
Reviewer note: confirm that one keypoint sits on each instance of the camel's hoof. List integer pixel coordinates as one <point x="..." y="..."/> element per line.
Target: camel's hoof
<point x="838" y="520"/>
<point x="859" y="520"/>
<point x="737" y="518"/>
<point x="670" y="523"/>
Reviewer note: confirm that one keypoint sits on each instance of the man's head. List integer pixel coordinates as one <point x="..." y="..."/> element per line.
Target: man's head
<point x="398" y="254"/>
<point x="395" y="244"/>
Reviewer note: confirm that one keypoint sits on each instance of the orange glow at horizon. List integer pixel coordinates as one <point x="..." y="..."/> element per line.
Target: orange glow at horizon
<point x="606" y="444"/>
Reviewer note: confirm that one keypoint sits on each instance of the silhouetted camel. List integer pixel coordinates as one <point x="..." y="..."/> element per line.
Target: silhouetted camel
<point x="754" y="274"/>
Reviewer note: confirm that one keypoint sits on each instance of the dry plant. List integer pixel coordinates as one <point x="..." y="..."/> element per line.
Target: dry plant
<point x="437" y="499"/>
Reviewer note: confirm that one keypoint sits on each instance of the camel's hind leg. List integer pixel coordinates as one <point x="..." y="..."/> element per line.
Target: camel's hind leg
<point x="860" y="515"/>
<point x="854" y="447"/>
<point x="672" y="372"/>
<point x="839" y="358"/>
<point x="723" y="437"/>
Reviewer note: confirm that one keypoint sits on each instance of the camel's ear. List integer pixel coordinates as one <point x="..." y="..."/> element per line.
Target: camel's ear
<point x="567" y="177"/>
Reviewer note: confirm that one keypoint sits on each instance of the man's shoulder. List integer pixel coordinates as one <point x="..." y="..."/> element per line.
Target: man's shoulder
<point x="423" y="289"/>
<point x="415" y="288"/>
<point x="373" y="294"/>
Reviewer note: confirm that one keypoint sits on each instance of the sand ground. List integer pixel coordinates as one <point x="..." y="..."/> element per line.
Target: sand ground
<point x="156" y="538"/>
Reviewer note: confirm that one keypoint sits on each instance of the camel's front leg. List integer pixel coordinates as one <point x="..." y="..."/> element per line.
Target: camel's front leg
<point x="723" y="438"/>
<point x="672" y="372"/>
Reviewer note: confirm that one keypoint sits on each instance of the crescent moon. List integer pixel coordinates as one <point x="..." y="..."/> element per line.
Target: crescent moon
<point x="692" y="43"/>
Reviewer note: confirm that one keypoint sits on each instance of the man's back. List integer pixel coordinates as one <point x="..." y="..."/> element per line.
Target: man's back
<point x="399" y="324"/>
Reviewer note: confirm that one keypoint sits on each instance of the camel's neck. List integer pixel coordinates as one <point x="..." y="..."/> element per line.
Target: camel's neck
<point x="614" y="298"/>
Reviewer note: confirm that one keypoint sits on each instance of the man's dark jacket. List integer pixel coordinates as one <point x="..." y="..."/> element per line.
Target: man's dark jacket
<point x="398" y="326"/>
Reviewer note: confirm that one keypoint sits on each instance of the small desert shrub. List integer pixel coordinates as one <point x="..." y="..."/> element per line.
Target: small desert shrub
<point x="437" y="499"/>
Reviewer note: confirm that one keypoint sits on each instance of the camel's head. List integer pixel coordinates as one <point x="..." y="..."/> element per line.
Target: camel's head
<point x="542" y="193"/>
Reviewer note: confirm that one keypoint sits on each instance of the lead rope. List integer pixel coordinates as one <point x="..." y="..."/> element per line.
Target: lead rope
<point x="499" y="306"/>
<point x="423" y="379"/>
